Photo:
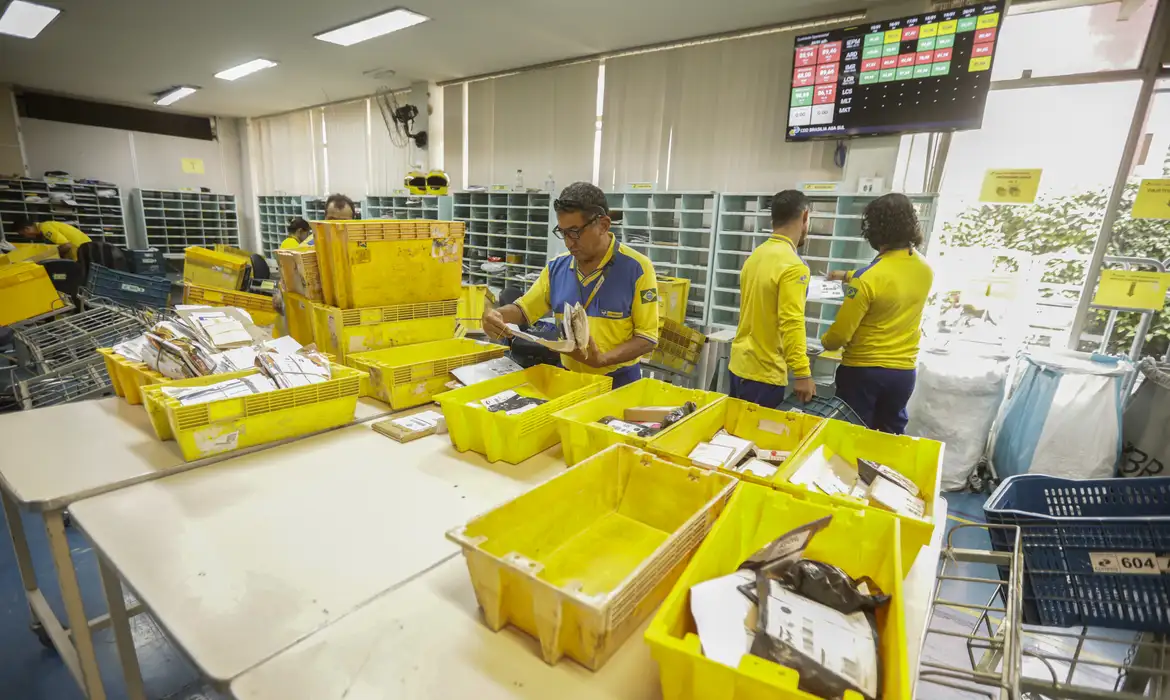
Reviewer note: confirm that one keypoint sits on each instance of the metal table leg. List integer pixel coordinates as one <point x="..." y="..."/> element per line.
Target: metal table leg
<point x="120" y="621"/>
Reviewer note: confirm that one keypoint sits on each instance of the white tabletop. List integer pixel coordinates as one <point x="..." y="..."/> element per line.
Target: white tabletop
<point x="51" y="456"/>
<point x="426" y="640"/>
<point x="241" y="559"/>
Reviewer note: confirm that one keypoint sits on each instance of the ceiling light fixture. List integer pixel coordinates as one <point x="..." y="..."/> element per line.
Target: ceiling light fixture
<point x="245" y="69"/>
<point x="26" y="19"/>
<point x="376" y="26"/>
<point x="173" y="95"/>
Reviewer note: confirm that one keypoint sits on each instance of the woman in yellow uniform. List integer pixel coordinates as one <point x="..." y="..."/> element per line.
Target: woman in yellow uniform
<point x="67" y="238"/>
<point x="880" y="321"/>
<point x="298" y="231"/>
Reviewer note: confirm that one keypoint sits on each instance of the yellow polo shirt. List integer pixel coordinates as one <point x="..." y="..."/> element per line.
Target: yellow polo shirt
<point x="290" y="243"/>
<point x="59" y="233"/>
<point x="620" y="299"/>
<point x="770" y="339"/>
<point x="880" y="322"/>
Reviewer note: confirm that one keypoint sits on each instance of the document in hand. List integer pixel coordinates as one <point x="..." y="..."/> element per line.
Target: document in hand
<point x="574" y="326"/>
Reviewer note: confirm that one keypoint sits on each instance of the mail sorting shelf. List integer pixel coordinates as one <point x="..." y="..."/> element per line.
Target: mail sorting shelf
<point x="835" y="243"/>
<point x="97" y="208"/>
<point x="512" y="226"/>
<point x="176" y="219"/>
<point x="407" y="206"/>
<point x="676" y="231"/>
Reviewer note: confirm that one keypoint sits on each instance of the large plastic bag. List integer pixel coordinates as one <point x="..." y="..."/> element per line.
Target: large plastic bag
<point x="1063" y="418"/>
<point x="956" y="397"/>
<point x="1146" y="425"/>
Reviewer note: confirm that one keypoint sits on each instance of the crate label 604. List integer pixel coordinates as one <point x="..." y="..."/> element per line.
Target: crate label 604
<point x="1129" y="563"/>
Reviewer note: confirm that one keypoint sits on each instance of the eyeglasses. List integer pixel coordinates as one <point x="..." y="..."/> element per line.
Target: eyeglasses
<point x="574" y="232"/>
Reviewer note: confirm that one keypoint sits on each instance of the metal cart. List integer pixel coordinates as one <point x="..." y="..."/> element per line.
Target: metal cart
<point x="1010" y="660"/>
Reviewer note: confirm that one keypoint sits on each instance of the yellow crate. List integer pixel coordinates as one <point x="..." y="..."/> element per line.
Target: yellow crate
<point x="259" y="306"/>
<point x="128" y="377"/>
<point x="26" y="291"/>
<point x="679" y="346"/>
<point x="228" y="425"/>
<point x="343" y="332"/>
<point x="582" y="436"/>
<point x="768" y="428"/>
<point x="382" y="262"/>
<point x="672" y="298"/>
<point x="232" y="250"/>
<point x="298" y="313"/>
<point x="863" y="543"/>
<point x="516" y="438"/>
<point x="918" y="459"/>
<point x="299" y="273"/>
<point x="32" y="252"/>
<point x="409" y="375"/>
<point x="472" y="302"/>
<point x="581" y="560"/>
<point x="213" y="269"/>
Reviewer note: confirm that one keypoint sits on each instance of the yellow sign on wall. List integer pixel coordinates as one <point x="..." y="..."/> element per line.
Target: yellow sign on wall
<point x="1010" y="186"/>
<point x="193" y="166"/>
<point x="1127" y="289"/>
<point x="1153" y="200"/>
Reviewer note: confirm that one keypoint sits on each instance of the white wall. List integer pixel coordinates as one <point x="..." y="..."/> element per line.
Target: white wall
<point x="135" y="159"/>
<point x="11" y="161"/>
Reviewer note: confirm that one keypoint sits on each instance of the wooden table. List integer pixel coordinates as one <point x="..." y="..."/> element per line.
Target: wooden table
<point x="425" y="639"/>
<point x="244" y="558"/>
<point x="61" y="454"/>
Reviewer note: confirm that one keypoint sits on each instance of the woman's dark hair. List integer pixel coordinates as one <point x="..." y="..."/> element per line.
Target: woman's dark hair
<point x="890" y="222"/>
<point x="298" y="224"/>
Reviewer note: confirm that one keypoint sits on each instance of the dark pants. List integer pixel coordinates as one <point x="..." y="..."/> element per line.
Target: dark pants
<point x="626" y="375"/>
<point x="761" y="393"/>
<point x="878" y="395"/>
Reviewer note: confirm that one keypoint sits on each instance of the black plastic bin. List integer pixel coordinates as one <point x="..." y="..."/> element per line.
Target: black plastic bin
<point x="147" y="262"/>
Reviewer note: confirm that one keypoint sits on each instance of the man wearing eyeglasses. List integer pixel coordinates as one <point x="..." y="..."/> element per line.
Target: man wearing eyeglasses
<point x="615" y="285"/>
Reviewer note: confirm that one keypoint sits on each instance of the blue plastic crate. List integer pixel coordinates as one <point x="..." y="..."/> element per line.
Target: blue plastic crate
<point x="128" y="288"/>
<point x="825" y="407"/>
<point x="1095" y="550"/>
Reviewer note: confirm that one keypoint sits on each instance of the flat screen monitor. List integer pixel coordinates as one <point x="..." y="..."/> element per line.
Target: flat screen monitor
<point x="929" y="72"/>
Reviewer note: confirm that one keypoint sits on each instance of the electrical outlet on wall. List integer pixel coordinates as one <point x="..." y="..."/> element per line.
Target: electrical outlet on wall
<point x="870" y="185"/>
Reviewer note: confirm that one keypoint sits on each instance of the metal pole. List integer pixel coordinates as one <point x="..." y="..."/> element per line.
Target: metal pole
<point x="1151" y="62"/>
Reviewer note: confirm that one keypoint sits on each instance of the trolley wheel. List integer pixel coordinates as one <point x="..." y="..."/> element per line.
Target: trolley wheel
<point x="975" y="481"/>
<point x="67" y="519"/>
<point x="42" y="636"/>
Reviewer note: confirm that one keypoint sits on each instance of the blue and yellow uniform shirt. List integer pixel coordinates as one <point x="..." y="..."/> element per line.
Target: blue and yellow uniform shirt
<point x="880" y="321"/>
<point x="290" y="243"/>
<point x="620" y="298"/>
<point x="770" y="339"/>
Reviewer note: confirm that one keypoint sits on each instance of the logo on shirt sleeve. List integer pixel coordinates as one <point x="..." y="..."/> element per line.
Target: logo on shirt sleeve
<point x="850" y="291"/>
<point x="804" y="279"/>
<point x="650" y="296"/>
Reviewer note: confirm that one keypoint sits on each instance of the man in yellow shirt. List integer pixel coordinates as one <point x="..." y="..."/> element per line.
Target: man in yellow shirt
<point x="67" y="238"/>
<point x="615" y="284"/>
<point x="770" y="340"/>
<point x="880" y="321"/>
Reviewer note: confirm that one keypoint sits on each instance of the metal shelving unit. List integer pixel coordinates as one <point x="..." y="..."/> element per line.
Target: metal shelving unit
<point x="676" y="230"/>
<point x="835" y="243"/>
<point x="511" y="226"/>
<point x="176" y="219"/>
<point x="274" y="213"/>
<point x="407" y="206"/>
<point x="97" y="208"/>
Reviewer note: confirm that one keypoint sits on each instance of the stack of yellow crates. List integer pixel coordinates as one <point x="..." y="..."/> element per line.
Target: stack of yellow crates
<point x="385" y="284"/>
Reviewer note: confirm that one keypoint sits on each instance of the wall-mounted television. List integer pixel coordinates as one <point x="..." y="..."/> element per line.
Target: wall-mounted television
<point x="928" y="72"/>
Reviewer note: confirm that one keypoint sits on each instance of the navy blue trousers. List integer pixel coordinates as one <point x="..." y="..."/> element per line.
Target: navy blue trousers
<point x="626" y="375"/>
<point x="878" y="395"/>
<point x="761" y="393"/>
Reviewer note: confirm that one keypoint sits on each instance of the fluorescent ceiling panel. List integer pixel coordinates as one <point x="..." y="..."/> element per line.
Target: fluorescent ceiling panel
<point x="26" y="19"/>
<point x="172" y="96"/>
<point x="245" y="69"/>
<point x="366" y="29"/>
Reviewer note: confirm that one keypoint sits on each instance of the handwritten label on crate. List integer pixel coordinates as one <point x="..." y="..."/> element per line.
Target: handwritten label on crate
<point x="1129" y="563"/>
<point x="132" y="288"/>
